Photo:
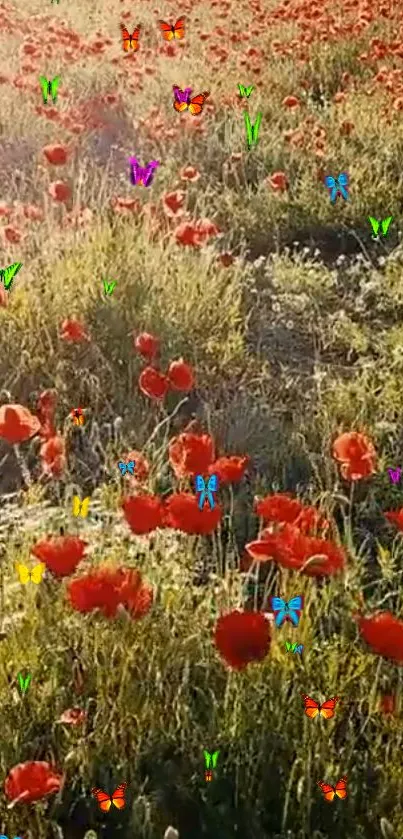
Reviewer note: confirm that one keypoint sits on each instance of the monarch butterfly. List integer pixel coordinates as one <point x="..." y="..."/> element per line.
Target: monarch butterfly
<point x="170" y="32"/>
<point x="35" y="575"/>
<point x="329" y="792"/>
<point x="105" y="801"/>
<point x="312" y="708"/>
<point x="80" y="508"/>
<point x="195" y="105"/>
<point x="130" y="41"/>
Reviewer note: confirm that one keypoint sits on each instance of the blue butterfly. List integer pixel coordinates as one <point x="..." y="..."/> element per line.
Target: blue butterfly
<point x="337" y="185"/>
<point x="206" y="491"/>
<point x="287" y="611"/>
<point x="125" y="467"/>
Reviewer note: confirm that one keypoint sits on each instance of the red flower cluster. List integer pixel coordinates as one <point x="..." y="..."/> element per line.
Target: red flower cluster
<point x="292" y="549"/>
<point x="281" y="509"/>
<point x="107" y="589"/>
<point x="193" y="454"/>
<point x="152" y="382"/>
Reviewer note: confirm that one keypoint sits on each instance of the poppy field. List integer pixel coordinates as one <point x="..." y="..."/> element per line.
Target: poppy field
<point x="169" y="669"/>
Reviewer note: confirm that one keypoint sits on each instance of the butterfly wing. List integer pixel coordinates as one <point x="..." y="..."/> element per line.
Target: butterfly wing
<point x="341" y="787"/>
<point x="207" y="758"/>
<point x="299" y="649"/>
<point x="23" y="572"/>
<point x="311" y="707"/>
<point x="179" y="28"/>
<point x="76" y="505"/>
<point x="104" y="800"/>
<point x="134" y="39"/>
<point x="167" y="31"/>
<point x="54" y="87"/>
<point x="327" y="789"/>
<point x="122" y="467"/>
<point x="343" y="179"/>
<point x="10" y="273"/>
<point x="84" y="507"/>
<point x="149" y="172"/>
<point x="200" y="483"/>
<point x="374" y="224"/>
<point x="37" y="572"/>
<point x="327" y="709"/>
<point x="385" y="224"/>
<point x="242" y="90"/>
<point x="293" y="609"/>
<point x="248" y="90"/>
<point x="196" y="104"/>
<point x="44" y="87"/>
<point x="214" y="758"/>
<point x="330" y="182"/>
<point x="125" y="38"/>
<point x="118" y="797"/>
<point x="288" y="646"/>
<point x="212" y="485"/>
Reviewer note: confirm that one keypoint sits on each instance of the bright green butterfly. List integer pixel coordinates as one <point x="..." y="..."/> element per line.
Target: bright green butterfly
<point x="49" y="88"/>
<point x="252" y="131"/>
<point x="385" y="224"/>
<point x="290" y="647"/>
<point x="245" y="91"/>
<point x="211" y="759"/>
<point x="109" y="287"/>
<point x="7" y="274"/>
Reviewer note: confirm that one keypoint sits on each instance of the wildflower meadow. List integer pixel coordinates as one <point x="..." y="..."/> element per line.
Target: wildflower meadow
<point x="219" y="313"/>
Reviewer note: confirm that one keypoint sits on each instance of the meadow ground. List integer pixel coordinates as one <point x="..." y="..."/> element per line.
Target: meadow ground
<point x="289" y="316"/>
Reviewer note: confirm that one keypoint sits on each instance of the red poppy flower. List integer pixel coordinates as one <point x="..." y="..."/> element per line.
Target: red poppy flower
<point x="173" y="203"/>
<point x="73" y="716"/>
<point x="230" y="469"/>
<point x="17" y="424"/>
<point x="61" y="554"/>
<point x="191" y="454"/>
<point x="59" y="191"/>
<point x="356" y="454"/>
<point x="311" y="520"/>
<point x="147" y="345"/>
<point x="143" y="513"/>
<point x="153" y="383"/>
<point x="291" y="102"/>
<point x="56" y="154"/>
<point x="195" y="233"/>
<point x="189" y="173"/>
<point x="32" y="781"/>
<point x="53" y="456"/>
<point x="182" y="513"/>
<point x="45" y="409"/>
<point x="384" y="633"/>
<point x="242" y="637"/>
<point x="278" y="181"/>
<point x="396" y="518"/>
<point x="12" y="234"/>
<point x="387" y="704"/>
<point x="73" y="331"/>
<point x="106" y="589"/>
<point x="180" y="375"/>
<point x="291" y="549"/>
<point x="278" y="507"/>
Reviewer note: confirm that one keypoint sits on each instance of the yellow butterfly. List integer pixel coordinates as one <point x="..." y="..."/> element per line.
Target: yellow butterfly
<point x="80" y="507"/>
<point x="35" y="574"/>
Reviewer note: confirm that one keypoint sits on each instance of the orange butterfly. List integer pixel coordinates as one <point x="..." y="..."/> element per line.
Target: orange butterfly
<point x="169" y="32"/>
<point x="312" y="708"/>
<point x="105" y="801"/>
<point x="195" y="105"/>
<point x="130" y="41"/>
<point x="329" y="792"/>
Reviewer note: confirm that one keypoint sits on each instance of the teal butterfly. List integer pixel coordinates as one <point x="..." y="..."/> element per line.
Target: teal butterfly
<point x="49" y="88"/>
<point x="385" y="224"/>
<point x="245" y="91"/>
<point x="7" y="274"/>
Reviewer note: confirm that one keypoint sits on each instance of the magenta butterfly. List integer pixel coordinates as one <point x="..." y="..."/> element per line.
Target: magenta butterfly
<point x="142" y="175"/>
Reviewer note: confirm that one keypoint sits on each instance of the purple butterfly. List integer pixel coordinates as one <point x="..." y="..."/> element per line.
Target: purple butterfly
<point x="395" y="474"/>
<point x="142" y="175"/>
<point x="182" y="95"/>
